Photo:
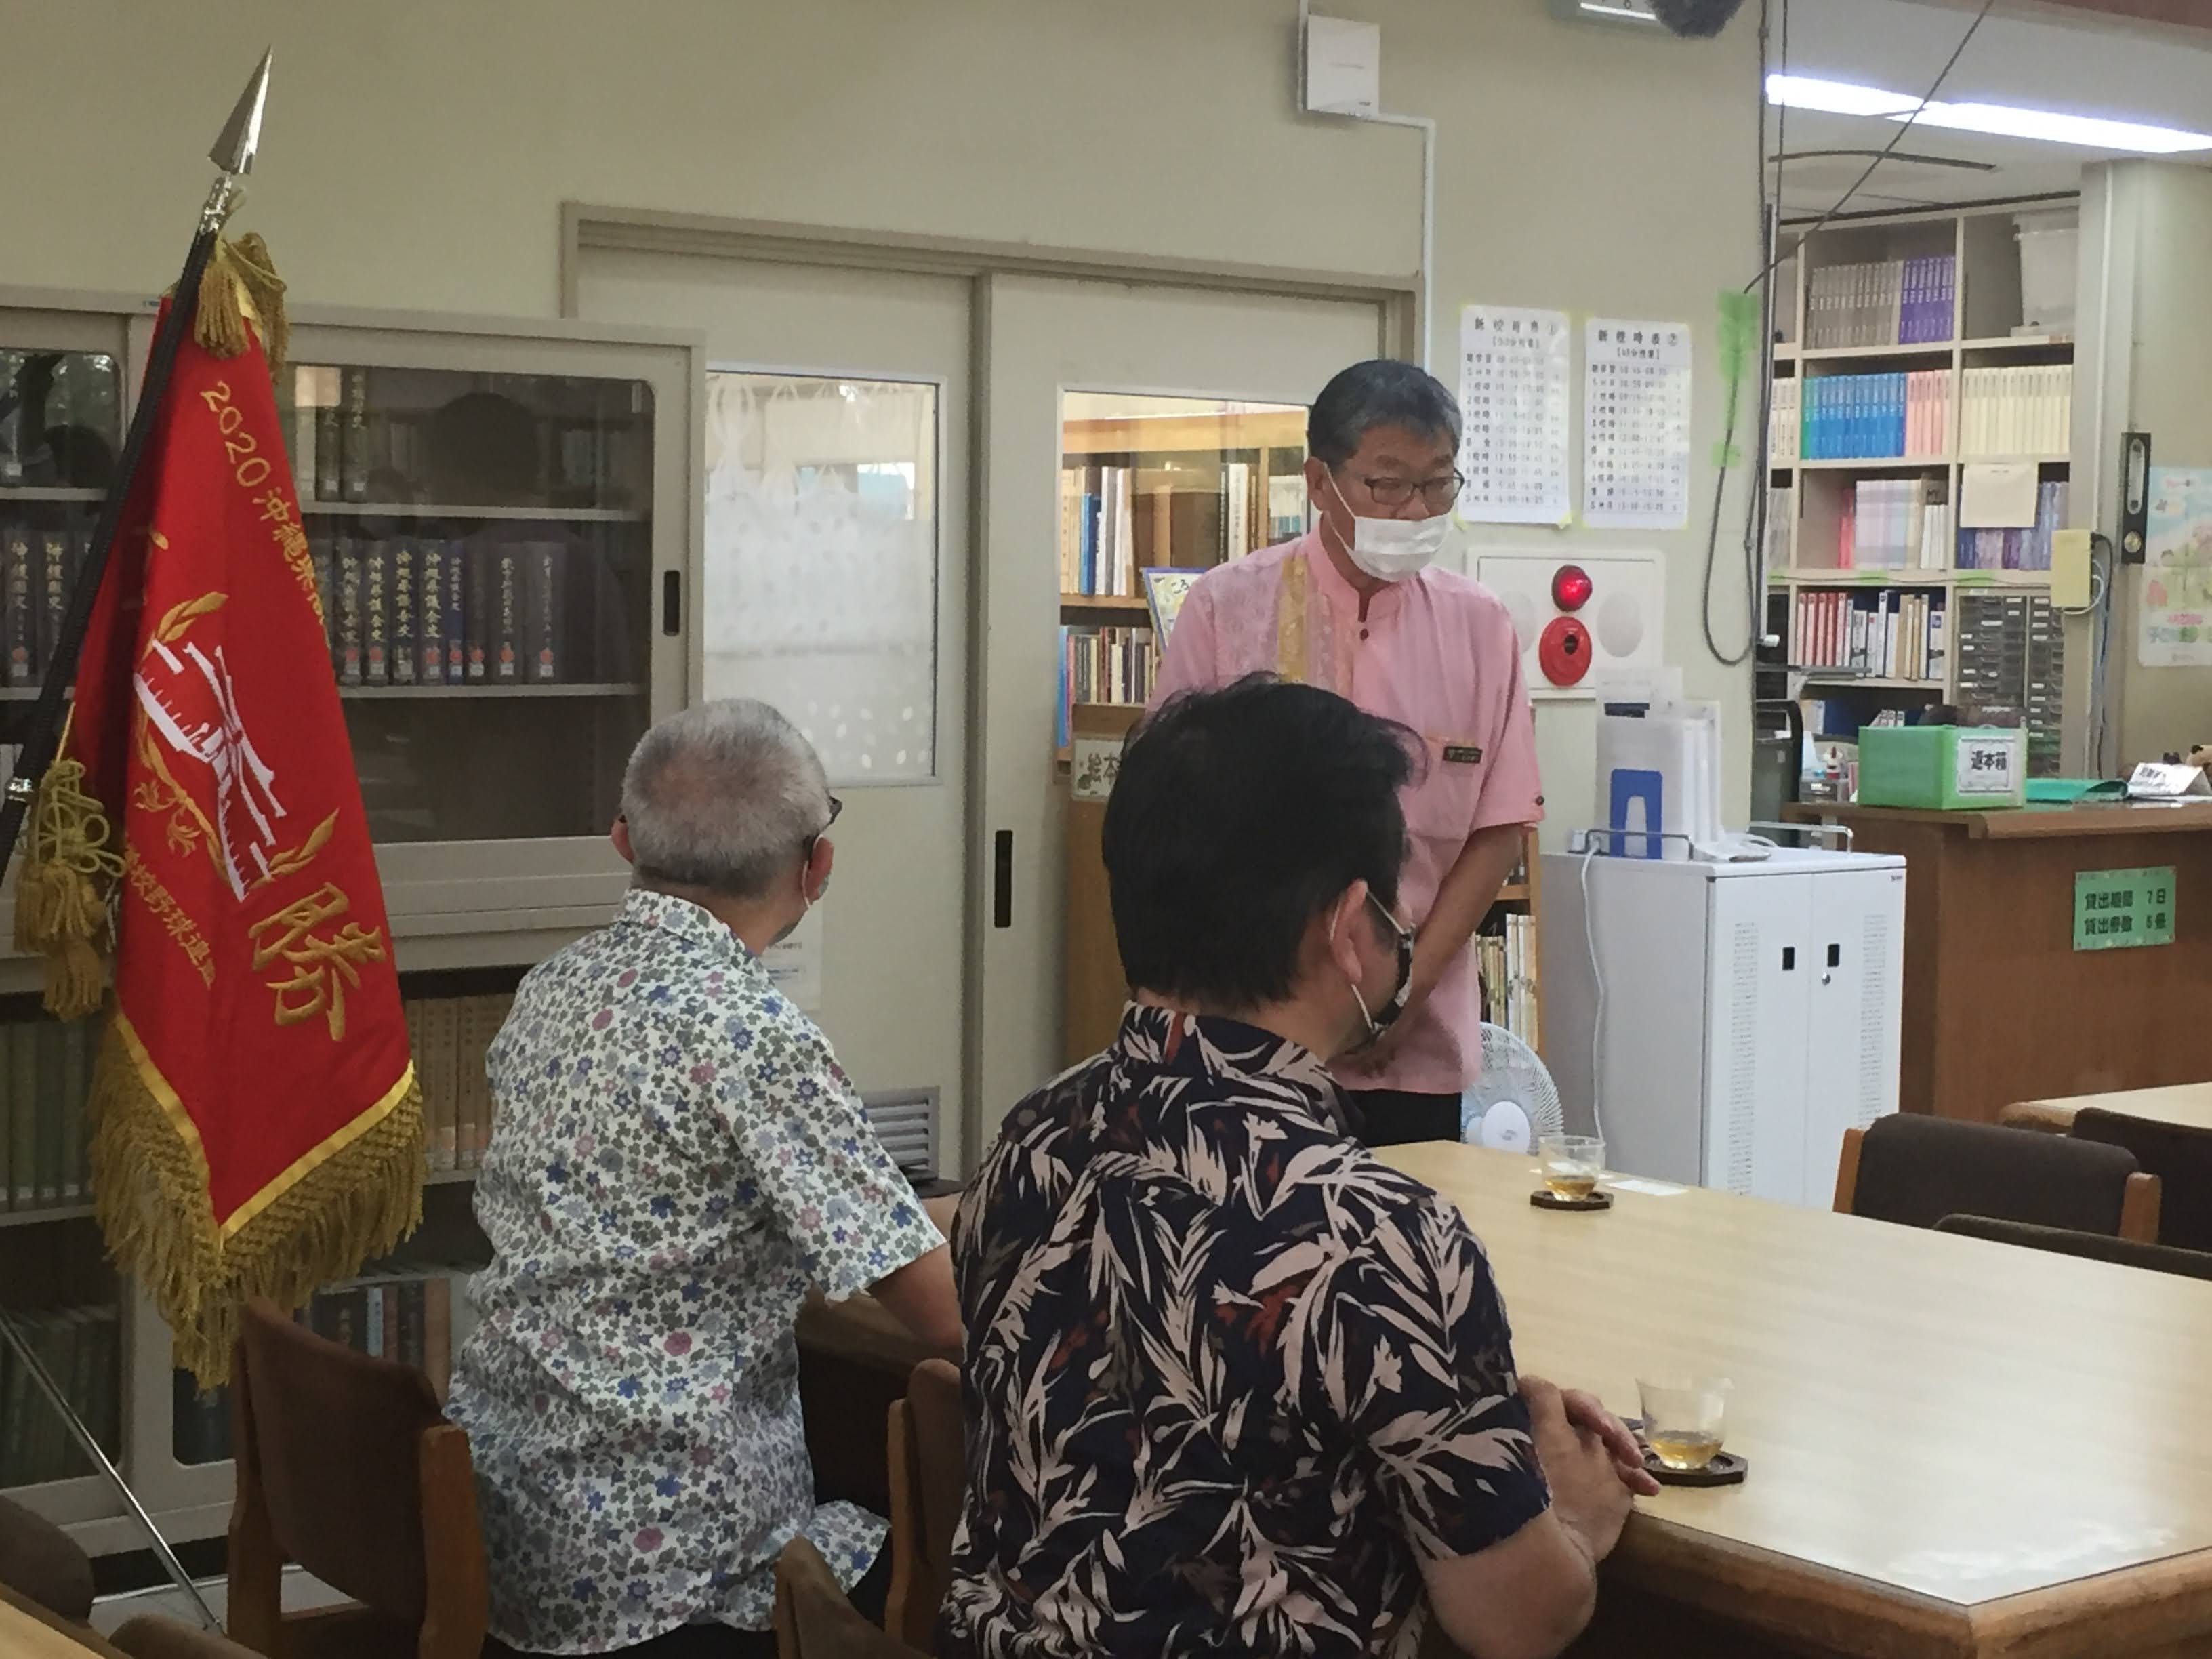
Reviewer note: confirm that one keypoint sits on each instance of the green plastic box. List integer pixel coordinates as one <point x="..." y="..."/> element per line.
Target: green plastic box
<point x="1948" y="768"/>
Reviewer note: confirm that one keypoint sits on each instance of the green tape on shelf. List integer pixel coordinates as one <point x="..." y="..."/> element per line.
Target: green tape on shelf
<point x="1737" y="335"/>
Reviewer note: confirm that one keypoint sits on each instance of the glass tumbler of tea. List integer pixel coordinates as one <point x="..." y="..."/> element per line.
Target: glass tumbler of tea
<point x="1571" y="1164"/>
<point x="1684" y="1417"/>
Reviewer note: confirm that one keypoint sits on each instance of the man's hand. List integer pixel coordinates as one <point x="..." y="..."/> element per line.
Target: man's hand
<point x="1588" y="1412"/>
<point x="1590" y="1494"/>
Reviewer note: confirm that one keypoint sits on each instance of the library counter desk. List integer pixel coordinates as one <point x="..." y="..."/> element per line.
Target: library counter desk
<point x="1957" y="1448"/>
<point x="2028" y="970"/>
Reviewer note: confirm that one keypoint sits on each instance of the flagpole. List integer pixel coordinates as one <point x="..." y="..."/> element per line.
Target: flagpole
<point x="233" y="155"/>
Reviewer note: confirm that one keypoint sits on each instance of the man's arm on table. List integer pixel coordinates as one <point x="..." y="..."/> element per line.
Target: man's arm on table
<point x="1531" y="1594"/>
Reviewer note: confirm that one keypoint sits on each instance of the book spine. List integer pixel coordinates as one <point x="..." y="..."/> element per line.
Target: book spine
<point x="18" y="629"/>
<point x="451" y="625"/>
<point x="482" y="591"/>
<point x="543" y="610"/>
<point x="47" y="1047"/>
<point x="300" y="433"/>
<point x="406" y="611"/>
<point x="376" y="613"/>
<point x="56" y="559"/>
<point x="346" y="557"/>
<point x="329" y="439"/>
<point x="442" y="1020"/>
<point x="75" y="1038"/>
<point x="507" y="617"/>
<point x="355" y="451"/>
<point x="430" y="622"/>
<point x="323" y="559"/>
<point x="411" y="1349"/>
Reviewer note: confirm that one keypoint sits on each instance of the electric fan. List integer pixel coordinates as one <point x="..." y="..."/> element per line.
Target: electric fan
<point x="1514" y="1101"/>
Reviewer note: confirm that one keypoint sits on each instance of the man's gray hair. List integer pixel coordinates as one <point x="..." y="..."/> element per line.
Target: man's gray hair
<point x="723" y="796"/>
<point x="1381" y="392"/>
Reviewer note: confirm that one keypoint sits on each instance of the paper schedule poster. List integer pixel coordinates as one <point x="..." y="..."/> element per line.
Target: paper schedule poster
<point x="1636" y="425"/>
<point x="2174" y="626"/>
<point x="1516" y="380"/>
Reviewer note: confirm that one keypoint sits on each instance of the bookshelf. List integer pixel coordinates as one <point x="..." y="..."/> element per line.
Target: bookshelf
<point x="1094" y="991"/>
<point x="1874" y="432"/>
<point x="1149" y="482"/>
<point x="489" y="800"/>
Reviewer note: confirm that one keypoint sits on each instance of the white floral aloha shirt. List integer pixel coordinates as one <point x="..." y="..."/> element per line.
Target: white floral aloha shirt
<point x="1229" y="1378"/>
<point x="678" y="1158"/>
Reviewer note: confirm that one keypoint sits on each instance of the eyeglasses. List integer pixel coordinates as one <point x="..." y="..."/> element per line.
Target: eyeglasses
<point x="1437" y="493"/>
<point x="1406" y="935"/>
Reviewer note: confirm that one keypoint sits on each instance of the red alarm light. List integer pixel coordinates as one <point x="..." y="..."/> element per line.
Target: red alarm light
<point x="1570" y="588"/>
<point x="1563" y="650"/>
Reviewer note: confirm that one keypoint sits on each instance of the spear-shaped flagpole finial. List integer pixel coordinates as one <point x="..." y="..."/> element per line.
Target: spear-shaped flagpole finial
<point x="236" y="146"/>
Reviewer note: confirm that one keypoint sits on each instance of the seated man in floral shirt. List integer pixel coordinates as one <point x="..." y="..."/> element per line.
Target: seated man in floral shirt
<point x="678" y="1160"/>
<point x="1235" y="1386"/>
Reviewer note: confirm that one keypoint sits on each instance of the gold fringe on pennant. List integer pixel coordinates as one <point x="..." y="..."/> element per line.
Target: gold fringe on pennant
<point x="240" y="284"/>
<point x="61" y="892"/>
<point x="150" y="1183"/>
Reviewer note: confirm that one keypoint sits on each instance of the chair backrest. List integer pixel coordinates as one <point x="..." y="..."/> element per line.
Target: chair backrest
<point x="347" y="1466"/>
<point x="928" y="1478"/>
<point x="1915" y="1171"/>
<point x="2127" y="1252"/>
<point x="814" y="1619"/>
<point x="2178" y="1155"/>
<point x="41" y="1562"/>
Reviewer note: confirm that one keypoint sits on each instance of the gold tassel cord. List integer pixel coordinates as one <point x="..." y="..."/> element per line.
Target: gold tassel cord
<point x="241" y="285"/>
<point x="150" y="1187"/>
<point x="61" y="892"/>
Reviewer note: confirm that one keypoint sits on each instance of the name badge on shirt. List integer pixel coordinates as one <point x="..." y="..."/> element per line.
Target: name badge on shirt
<point x="1462" y="754"/>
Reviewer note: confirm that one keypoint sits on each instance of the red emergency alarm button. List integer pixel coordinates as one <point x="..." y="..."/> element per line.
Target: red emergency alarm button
<point x="1570" y="588"/>
<point x="1562" y="651"/>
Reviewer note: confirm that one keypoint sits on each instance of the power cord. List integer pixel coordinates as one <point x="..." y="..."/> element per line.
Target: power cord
<point x="1597" y="977"/>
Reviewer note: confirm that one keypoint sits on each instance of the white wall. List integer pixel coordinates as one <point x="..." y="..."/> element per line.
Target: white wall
<point x="418" y="152"/>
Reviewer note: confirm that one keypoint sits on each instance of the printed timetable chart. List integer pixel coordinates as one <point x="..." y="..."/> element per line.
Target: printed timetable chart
<point x="1516" y="379"/>
<point x="1635" y="423"/>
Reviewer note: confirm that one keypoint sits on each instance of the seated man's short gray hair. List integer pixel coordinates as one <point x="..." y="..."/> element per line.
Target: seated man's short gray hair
<point x="723" y="796"/>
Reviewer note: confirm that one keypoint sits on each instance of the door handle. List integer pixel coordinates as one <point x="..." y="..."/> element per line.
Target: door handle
<point x="672" y="603"/>
<point x="1002" y="879"/>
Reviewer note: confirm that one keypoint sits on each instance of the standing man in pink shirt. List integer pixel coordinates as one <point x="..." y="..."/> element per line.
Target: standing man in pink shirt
<point x="1357" y="606"/>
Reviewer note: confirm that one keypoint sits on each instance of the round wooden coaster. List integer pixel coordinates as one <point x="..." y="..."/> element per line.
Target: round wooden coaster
<point x="1544" y="1199"/>
<point x="1727" y="1469"/>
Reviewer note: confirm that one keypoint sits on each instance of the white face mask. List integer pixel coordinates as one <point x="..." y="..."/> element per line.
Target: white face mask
<point x="1391" y="549"/>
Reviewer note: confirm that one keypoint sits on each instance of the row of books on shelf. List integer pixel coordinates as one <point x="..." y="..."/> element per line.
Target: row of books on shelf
<point x="419" y="611"/>
<point x="344" y="447"/>
<point x="2024" y="549"/>
<point x="449" y="1037"/>
<point x="1115" y="520"/>
<point x="1887" y="633"/>
<point x="1875" y="417"/>
<point x="1104" y="664"/>
<point x="2026" y="410"/>
<point x="403" y="1312"/>
<point x="1882" y="303"/>
<point x="1894" y="523"/>
<point x="1781" y="524"/>
<point x="45" y="1074"/>
<point x="38" y="570"/>
<point x="81" y="1349"/>
<point x="1505" y="963"/>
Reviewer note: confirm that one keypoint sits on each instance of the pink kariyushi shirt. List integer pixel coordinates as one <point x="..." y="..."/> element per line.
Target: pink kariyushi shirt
<point x="1436" y="653"/>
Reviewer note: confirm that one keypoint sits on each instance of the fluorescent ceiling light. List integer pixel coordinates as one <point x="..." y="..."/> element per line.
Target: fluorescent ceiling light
<point x="1631" y="13"/>
<point x="2003" y="120"/>
<point x="1836" y="97"/>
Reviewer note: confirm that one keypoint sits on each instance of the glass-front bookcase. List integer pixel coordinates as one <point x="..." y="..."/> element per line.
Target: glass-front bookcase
<point x="505" y="519"/>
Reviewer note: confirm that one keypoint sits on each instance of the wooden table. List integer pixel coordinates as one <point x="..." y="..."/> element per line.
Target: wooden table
<point x="1957" y="1448"/>
<point x="1999" y="1006"/>
<point x="2189" y="1104"/>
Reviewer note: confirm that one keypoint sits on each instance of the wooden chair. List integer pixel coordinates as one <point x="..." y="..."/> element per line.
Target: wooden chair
<point x="929" y="1476"/>
<point x="45" y="1603"/>
<point x="2126" y="1252"/>
<point x="346" y="1466"/>
<point x="814" y="1619"/>
<point x="2177" y="1154"/>
<point x="1915" y="1171"/>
